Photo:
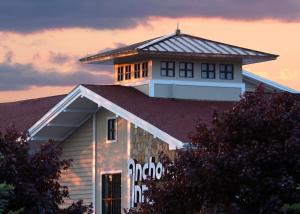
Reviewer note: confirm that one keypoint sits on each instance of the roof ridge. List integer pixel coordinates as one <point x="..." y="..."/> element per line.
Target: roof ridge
<point x="154" y="41"/>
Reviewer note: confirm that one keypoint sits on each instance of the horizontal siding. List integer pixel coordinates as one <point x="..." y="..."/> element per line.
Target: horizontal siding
<point x="79" y="177"/>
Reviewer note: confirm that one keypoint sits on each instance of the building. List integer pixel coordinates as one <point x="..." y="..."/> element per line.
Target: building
<point x="114" y="133"/>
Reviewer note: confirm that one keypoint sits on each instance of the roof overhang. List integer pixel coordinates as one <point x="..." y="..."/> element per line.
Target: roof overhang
<point x="79" y="106"/>
<point x="255" y="79"/>
<point x="140" y="54"/>
<point x="102" y="58"/>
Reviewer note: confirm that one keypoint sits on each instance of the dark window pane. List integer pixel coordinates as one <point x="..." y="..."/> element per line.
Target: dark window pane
<point x="182" y="73"/>
<point x="190" y="74"/>
<point x="222" y="75"/>
<point x="111" y="193"/>
<point x="182" y="66"/>
<point x="222" y="68"/>
<point x="211" y="75"/>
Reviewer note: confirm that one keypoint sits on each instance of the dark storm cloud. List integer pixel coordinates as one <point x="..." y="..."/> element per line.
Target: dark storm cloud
<point x="24" y="76"/>
<point x="32" y="15"/>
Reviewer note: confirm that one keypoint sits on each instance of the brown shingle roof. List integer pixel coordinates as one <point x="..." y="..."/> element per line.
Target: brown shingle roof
<point x="25" y="113"/>
<point x="173" y="116"/>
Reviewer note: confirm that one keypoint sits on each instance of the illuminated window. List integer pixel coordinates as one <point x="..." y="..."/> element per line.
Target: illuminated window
<point x="167" y="69"/>
<point x="111" y="129"/>
<point x="226" y="71"/>
<point x="127" y="72"/>
<point x="186" y="69"/>
<point x="208" y="71"/>
<point x="111" y="194"/>
<point x="120" y="73"/>
<point x="137" y="70"/>
<point x="145" y="69"/>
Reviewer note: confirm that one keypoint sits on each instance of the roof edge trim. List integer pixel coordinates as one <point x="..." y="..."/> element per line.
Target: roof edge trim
<point x="271" y="83"/>
<point x="81" y="91"/>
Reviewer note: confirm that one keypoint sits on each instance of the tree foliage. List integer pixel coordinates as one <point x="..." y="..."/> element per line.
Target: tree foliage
<point x="247" y="161"/>
<point x="34" y="176"/>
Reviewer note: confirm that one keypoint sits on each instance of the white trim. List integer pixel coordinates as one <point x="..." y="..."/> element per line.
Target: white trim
<point x="117" y="171"/>
<point x="271" y="83"/>
<point x="79" y="110"/>
<point x="94" y="165"/>
<point x="101" y="101"/>
<point x="151" y="88"/>
<point x="66" y="125"/>
<point x="173" y="142"/>
<point x="128" y="157"/>
<point x="116" y="131"/>
<point x="57" y="109"/>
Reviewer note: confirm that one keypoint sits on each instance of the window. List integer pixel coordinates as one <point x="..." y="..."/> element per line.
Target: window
<point x="111" y="129"/>
<point x="167" y="69"/>
<point x="120" y="73"/>
<point x="226" y="71"/>
<point x="128" y="72"/>
<point x="137" y="70"/>
<point x="208" y="71"/>
<point x="186" y="69"/>
<point x="111" y="193"/>
<point x="145" y="69"/>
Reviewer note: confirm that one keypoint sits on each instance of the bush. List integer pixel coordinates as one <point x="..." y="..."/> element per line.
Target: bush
<point x="247" y="161"/>
<point x="34" y="176"/>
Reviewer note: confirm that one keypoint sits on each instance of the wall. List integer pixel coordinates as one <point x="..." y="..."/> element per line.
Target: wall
<point x="144" y="146"/>
<point x="111" y="157"/>
<point x="79" y="177"/>
<point x="197" y="92"/>
<point x="132" y="80"/>
<point x="143" y="88"/>
<point x="197" y="71"/>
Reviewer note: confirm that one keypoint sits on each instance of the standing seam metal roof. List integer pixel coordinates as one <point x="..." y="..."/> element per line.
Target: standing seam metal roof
<point x="185" y="44"/>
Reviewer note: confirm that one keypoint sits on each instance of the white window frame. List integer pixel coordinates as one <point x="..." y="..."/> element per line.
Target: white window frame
<point x="100" y="183"/>
<point x="116" y="134"/>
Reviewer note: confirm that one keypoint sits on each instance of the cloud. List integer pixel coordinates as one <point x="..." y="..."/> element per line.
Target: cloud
<point x="34" y="15"/>
<point x="24" y="76"/>
<point x="59" y="58"/>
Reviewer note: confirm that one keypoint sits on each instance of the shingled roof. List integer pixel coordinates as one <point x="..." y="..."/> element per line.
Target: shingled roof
<point x="23" y="114"/>
<point x="175" y="117"/>
<point x="183" y="45"/>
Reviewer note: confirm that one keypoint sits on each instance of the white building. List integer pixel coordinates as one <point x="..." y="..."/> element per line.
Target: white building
<point x="162" y="86"/>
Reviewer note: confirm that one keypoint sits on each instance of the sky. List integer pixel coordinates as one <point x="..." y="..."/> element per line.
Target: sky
<point x="41" y="41"/>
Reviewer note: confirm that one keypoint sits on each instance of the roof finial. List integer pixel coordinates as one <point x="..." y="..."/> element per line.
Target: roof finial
<point x="177" y="29"/>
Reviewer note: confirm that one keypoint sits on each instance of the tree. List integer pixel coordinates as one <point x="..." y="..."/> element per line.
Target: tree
<point x="33" y="178"/>
<point x="247" y="161"/>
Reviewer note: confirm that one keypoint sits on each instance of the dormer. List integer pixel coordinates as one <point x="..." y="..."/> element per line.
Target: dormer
<point x="182" y="66"/>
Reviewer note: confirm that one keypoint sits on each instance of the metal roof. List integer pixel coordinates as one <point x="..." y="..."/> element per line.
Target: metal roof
<point x="183" y="45"/>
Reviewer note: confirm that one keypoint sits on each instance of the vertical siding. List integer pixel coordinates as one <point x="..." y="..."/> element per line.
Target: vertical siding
<point x="78" y="178"/>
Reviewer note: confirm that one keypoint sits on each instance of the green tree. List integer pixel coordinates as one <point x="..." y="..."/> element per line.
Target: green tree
<point x="247" y="161"/>
<point x="30" y="181"/>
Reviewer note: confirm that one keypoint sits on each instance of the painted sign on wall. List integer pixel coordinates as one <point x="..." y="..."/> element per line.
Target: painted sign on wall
<point x="139" y="173"/>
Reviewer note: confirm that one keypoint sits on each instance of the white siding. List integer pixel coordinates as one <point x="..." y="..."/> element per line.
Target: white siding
<point x="79" y="177"/>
